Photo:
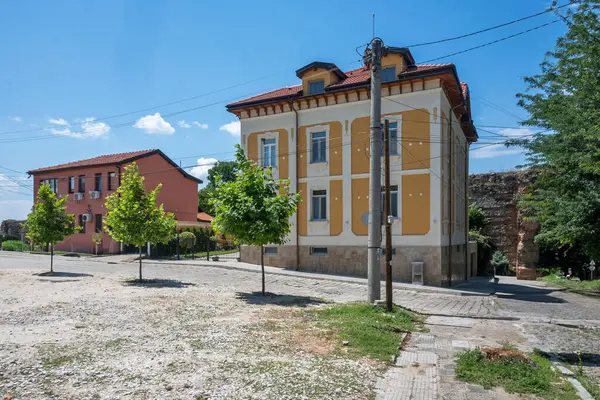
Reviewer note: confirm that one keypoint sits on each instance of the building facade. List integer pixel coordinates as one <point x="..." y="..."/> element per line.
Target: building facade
<point x="317" y="135"/>
<point x="87" y="183"/>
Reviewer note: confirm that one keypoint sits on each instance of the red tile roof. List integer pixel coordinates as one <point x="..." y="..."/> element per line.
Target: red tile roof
<point x="100" y="160"/>
<point x="204" y="217"/>
<point x="354" y="77"/>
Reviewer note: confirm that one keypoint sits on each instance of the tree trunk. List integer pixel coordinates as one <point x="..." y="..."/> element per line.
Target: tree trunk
<point x="52" y="258"/>
<point x="262" y="267"/>
<point x="140" y="249"/>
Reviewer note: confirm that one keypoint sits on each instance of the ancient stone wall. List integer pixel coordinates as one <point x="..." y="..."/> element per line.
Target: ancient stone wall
<point x="497" y="194"/>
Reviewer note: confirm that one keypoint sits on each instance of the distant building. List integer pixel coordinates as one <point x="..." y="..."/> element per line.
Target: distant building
<point x="317" y="135"/>
<point x="87" y="183"/>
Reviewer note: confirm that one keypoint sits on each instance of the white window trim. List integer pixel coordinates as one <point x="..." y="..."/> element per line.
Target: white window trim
<point x="319" y="221"/>
<point x="269" y="135"/>
<point x="309" y="132"/>
<point x="394" y="158"/>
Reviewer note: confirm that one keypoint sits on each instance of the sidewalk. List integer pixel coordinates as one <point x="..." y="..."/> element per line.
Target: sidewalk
<point x="477" y="287"/>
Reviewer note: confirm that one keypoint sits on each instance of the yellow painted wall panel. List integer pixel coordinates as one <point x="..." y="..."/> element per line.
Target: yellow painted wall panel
<point x="360" y="205"/>
<point x="415" y="204"/>
<point x="302" y="209"/>
<point x="301" y="155"/>
<point x="284" y="159"/>
<point x="252" y="153"/>
<point x="360" y="142"/>
<point x="335" y="148"/>
<point x="416" y="139"/>
<point x="336" y="207"/>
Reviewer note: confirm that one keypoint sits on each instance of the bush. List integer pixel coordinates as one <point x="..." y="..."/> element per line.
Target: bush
<point x="500" y="263"/>
<point x="187" y="240"/>
<point x="14" y="245"/>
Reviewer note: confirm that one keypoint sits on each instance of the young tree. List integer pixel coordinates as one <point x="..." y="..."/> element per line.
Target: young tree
<point x="187" y="240"/>
<point x="49" y="222"/>
<point x="134" y="218"/>
<point x="499" y="262"/>
<point x="97" y="240"/>
<point x="255" y="209"/>
<point x="564" y="99"/>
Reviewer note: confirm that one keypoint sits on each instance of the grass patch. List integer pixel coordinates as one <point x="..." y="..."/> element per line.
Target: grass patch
<point x="370" y="331"/>
<point x="536" y="378"/>
<point x="592" y="387"/>
<point x="55" y="356"/>
<point x="590" y="288"/>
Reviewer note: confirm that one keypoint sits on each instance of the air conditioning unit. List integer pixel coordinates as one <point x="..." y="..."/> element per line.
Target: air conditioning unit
<point x="94" y="195"/>
<point x="87" y="217"/>
<point x="79" y="196"/>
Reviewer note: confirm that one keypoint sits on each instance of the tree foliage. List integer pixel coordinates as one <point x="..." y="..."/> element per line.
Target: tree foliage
<point x="224" y="171"/>
<point x="499" y="262"/>
<point x="133" y="217"/>
<point x="187" y="240"/>
<point x="255" y="209"/>
<point x="49" y="222"/>
<point x="564" y="99"/>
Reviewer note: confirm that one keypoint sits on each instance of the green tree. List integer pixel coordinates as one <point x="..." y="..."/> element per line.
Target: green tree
<point x="97" y="240"/>
<point x="255" y="209"/>
<point x="564" y="99"/>
<point x="49" y="222"/>
<point x="499" y="262"/>
<point x="226" y="172"/>
<point x="187" y="240"/>
<point x="134" y="218"/>
<point x="478" y="224"/>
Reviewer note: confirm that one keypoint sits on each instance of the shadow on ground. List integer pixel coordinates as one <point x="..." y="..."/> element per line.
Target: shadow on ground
<point x="158" y="283"/>
<point x="510" y="288"/>
<point x="63" y="274"/>
<point x="278" y="299"/>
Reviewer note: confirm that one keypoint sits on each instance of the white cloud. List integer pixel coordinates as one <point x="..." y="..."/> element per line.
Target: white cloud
<point x="7" y="185"/>
<point x="183" y="124"/>
<point x="234" y="128"/>
<point x="89" y="128"/>
<point x="199" y="125"/>
<point x="500" y="149"/>
<point x="15" y="209"/>
<point x="202" y="168"/>
<point x="154" y="124"/>
<point x="59" y="121"/>
<point x="16" y="119"/>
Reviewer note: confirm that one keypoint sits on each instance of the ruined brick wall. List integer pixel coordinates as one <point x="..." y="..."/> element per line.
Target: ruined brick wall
<point x="497" y="193"/>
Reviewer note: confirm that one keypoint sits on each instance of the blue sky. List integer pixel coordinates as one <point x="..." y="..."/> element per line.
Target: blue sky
<point x="68" y="64"/>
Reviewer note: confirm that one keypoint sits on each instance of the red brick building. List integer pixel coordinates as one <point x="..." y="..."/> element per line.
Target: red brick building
<point x="87" y="183"/>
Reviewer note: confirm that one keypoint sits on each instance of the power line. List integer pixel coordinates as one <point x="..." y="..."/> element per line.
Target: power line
<point x="492" y="27"/>
<point x="493" y="42"/>
<point x="165" y="105"/>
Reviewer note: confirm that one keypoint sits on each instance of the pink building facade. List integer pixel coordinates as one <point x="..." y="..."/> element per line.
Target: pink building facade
<point x="87" y="183"/>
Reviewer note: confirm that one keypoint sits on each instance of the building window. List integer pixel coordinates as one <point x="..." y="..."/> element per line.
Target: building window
<point x="98" y="182"/>
<point x="388" y="74"/>
<point x="71" y="184"/>
<point x="52" y="182"/>
<point x="318" y="147"/>
<point x="394" y="200"/>
<point x="98" y="222"/>
<point x="393" y="140"/>
<point x="319" y="205"/>
<point x="81" y="183"/>
<point x="81" y="223"/>
<point x="111" y="177"/>
<point x="318" y="251"/>
<point x="316" y="87"/>
<point x="270" y="250"/>
<point x="269" y="153"/>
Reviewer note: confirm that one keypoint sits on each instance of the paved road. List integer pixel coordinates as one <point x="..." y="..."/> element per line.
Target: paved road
<point x="516" y="300"/>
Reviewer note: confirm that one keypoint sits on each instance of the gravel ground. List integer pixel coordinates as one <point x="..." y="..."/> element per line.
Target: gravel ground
<point x="96" y="337"/>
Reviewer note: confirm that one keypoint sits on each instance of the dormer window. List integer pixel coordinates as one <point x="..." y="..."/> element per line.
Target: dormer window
<point x="388" y="74"/>
<point x="316" y="87"/>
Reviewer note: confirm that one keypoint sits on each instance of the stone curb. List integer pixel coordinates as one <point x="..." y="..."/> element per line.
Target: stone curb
<point x="323" y="277"/>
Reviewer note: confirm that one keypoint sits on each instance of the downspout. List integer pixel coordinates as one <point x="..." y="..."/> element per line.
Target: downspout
<point x="467" y="272"/>
<point x="119" y="185"/>
<point x="452" y="194"/>
<point x="297" y="185"/>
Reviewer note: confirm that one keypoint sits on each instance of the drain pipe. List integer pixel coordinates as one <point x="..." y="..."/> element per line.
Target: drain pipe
<point x="451" y="197"/>
<point x="297" y="184"/>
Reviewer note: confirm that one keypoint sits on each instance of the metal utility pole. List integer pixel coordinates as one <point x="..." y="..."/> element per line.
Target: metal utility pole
<point x="374" y="242"/>
<point x="388" y="219"/>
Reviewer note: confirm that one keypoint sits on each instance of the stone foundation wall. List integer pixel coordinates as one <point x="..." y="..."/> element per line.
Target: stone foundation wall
<point x="458" y="270"/>
<point x="352" y="260"/>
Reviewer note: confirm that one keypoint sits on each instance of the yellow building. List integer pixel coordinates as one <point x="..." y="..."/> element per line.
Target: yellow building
<point x="317" y="135"/>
